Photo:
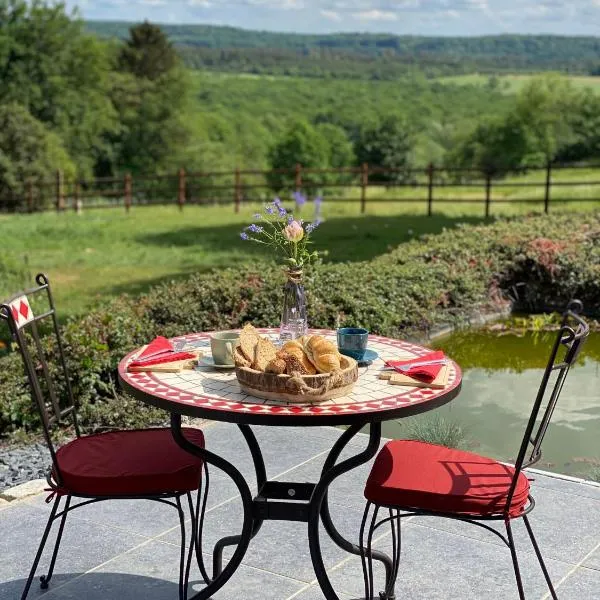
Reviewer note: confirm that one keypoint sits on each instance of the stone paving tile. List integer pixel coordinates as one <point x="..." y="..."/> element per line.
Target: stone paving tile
<point x="566" y="486"/>
<point x="314" y="593"/>
<point x="441" y="566"/>
<point x="84" y="546"/>
<point x="584" y="583"/>
<point x="562" y="523"/>
<point x="151" y="572"/>
<point x="593" y="561"/>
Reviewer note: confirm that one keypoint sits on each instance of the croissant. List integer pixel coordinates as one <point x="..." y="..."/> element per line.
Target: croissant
<point x="322" y="353"/>
<point x="295" y="348"/>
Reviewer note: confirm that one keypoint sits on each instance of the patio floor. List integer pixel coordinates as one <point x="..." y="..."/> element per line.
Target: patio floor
<point x="129" y="550"/>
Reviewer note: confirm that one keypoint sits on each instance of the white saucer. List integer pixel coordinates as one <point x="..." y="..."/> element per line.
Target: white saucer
<point x="207" y="361"/>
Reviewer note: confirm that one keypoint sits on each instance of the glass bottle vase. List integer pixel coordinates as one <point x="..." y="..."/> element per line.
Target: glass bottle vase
<point x="293" y="316"/>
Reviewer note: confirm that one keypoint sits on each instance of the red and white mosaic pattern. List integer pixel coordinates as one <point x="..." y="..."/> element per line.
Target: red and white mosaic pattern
<point x="21" y="311"/>
<point x="217" y="390"/>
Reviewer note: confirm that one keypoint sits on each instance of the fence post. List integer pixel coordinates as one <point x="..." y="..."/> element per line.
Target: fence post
<point x="298" y="177"/>
<point x="127" y="191"/>
<point x="430" y="170"/>
<point x="488" y="193"/>
<point x="548" y="186"/>
<point x="238" y="189"/>
<point x="364" y="182"/>
<point x="29" y="195"/>
<point x="60" y="193"/>
<point x="181" y="189"/>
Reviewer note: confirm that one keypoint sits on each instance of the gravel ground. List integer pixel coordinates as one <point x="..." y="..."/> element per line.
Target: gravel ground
<point x="24" y="463"/>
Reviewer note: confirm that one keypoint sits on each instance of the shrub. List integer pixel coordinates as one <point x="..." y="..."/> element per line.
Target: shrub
<point x="437" y="430"/>
<point x="541" y="262"/>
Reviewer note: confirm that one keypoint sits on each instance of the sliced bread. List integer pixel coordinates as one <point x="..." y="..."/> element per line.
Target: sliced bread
<point x="264" y="353"/>
<point x="248" y="340"/>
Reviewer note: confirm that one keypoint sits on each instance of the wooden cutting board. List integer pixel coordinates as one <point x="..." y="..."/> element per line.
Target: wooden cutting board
<point x="170" y="367"/>
<point x="395" y="378"/>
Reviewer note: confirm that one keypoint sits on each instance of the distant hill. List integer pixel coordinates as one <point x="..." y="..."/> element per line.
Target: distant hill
<point x="272" y="52"/>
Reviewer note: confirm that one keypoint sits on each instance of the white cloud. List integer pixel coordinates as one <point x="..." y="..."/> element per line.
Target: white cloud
<point x="201" y="3"/>
<point x="332" y="15"/>
<point x="375" y="15"/>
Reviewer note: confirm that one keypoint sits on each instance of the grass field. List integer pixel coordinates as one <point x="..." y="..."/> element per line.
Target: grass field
<point x="104" y="252"/>
<point x="513" y="83"/>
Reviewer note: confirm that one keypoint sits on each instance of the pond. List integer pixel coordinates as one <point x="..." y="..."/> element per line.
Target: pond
<point x="501" y="376"/>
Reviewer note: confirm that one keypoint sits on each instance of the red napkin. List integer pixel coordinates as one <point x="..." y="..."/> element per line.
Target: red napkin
<point x="425" y="373"/>
<point x="159" y="351"/>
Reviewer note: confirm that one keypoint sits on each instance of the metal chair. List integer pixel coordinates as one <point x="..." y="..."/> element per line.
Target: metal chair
<point x="139" y="464"/>
<point x="411" y="478"/>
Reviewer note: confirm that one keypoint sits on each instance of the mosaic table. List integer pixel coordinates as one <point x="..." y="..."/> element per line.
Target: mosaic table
<point x="215" y="394"/>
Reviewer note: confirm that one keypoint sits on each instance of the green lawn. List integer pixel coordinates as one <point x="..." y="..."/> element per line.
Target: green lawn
<point x="101" y="253"/>
<point x="513" y="83"/>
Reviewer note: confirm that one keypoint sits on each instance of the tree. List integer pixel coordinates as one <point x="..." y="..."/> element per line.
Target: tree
<point x="151" y="99"/>
<point x="49" y="65"/>
<point x="496" y="147"/>
<point x="388" y="145"/>
<point x="28" y="151"/>
<point x="147" y="53"/>
<point x="341" y="151"/>
<point x="301" y="144"/>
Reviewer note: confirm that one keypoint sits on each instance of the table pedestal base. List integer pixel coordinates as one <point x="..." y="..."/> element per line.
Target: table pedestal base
<point x="284" y="501"/>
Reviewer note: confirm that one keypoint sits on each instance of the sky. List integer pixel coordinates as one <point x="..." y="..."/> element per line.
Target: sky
<point x="416" y="17"/>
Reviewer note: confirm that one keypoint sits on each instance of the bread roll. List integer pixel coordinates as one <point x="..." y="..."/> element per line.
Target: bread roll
<point x="322" y="353"/>
<point x="295" y="348"/>
<point x="277" y="366"/>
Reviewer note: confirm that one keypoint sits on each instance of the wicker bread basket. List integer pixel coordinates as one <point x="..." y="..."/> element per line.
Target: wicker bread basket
<point x="299" y="388"/>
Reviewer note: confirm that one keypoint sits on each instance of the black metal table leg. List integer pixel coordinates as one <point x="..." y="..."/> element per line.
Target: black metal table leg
<point x="319" y="507"/>
<point x="244" y="539"/>
<point x="261" y="478"/>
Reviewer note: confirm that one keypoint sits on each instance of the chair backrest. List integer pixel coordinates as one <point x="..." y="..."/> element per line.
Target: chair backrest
<point x="53" y="397"/>
<point x="566" y="348"/>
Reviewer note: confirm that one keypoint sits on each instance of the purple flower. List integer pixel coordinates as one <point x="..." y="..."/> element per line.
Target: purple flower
<point x="312" y="226"/>
<point x="270" y="210"/>
<point x="290" y="218"/>
<point x="277" y="201"/>
<point x="254" y="228"/>
<point x="282" y="211"/>
<point x="257" y="216"/>
<point x="299" y="198"/>
<point x="244" y="235"/>
<point x="318" y="200"/>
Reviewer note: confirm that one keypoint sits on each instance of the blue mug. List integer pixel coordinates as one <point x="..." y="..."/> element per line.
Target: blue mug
<point x="352" y="341"/>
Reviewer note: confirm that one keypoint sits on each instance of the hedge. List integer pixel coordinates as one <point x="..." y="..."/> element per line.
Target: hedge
<point x="538" y="263"/>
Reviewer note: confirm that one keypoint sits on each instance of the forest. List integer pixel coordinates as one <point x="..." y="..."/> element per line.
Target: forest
<point x="124" y="102"/>
<point x="210" y="46"/>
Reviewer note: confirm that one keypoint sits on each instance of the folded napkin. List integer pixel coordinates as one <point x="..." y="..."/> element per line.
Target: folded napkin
<point x="159" y="351"/>
<point x="425" y="373"/>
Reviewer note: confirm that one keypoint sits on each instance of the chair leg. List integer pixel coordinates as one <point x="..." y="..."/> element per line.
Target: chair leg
<point x="45" y="579"/>
<point x="182" y="559"/>
<point x="366" y="551"/>
<point x="540" y="558"/>
<point x="199" y="525"/>
<point x="41" y="547"/>
<point x="513" y="552"/>
<point x="395" y="524"/>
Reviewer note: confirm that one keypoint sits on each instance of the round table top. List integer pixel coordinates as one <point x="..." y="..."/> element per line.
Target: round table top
<point x="214" y="394"/>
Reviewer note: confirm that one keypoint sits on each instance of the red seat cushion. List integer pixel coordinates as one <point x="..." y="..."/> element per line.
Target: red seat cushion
<point x="412" y="474"/>
<point x="129" y="463"/>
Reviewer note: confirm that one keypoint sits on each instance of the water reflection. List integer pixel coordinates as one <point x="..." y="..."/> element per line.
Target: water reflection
<point x="501" y="376"/>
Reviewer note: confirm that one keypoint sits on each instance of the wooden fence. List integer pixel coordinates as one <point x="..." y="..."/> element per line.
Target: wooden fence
<point x="434" y="185"/>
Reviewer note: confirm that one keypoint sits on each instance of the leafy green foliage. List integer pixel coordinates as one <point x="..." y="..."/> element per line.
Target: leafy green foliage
<point x="28" y="151"/>
<point x="301" y="144"/>
<point x="387" y="145"/>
